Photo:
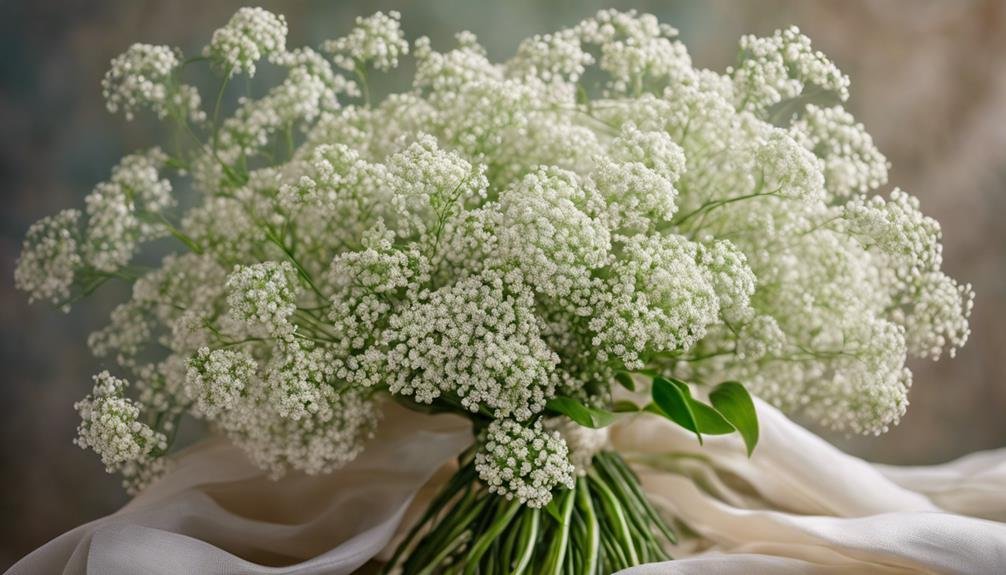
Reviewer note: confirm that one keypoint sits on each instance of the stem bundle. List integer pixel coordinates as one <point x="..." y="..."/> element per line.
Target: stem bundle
<point x="603" y="524"/>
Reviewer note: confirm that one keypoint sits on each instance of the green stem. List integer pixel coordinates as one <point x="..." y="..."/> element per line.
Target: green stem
<point x="490" y="536"/>
<point x="528" y="542"/>
<point x="557" y="553"/>
<point x="590" y="521"/>
<point x="615" y="512"/>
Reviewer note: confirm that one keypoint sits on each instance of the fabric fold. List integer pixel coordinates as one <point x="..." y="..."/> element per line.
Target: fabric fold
<point x="799" y="505"/>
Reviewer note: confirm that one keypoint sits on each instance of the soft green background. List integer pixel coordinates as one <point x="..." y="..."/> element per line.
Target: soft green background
<point x="929" y="80"/>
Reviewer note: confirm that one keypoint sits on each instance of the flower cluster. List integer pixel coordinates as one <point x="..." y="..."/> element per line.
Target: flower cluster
<point x="525" y="463"/>
<point x="494" y="236"/>
<point x="50" y="258"/>
<point x="110" y="425"/>
<point x="251" y="35"/>
<point x="143" y="76"/>
<point x="376" y="40"/>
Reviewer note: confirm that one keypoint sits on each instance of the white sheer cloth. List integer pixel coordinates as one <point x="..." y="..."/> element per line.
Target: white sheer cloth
<point x="798" y="506"/>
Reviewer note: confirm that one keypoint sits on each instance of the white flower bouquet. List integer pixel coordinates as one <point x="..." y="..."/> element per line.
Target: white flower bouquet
<point x="591" y="229"/>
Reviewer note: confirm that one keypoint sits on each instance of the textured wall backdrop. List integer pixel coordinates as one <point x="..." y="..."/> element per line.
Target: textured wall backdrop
<point x="929" y="81"/>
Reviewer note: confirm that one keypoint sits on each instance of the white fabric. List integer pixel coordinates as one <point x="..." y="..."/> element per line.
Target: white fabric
<point x="798" y="506"/>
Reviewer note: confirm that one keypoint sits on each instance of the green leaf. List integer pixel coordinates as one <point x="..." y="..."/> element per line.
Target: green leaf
<point x="710" y="421"/>
<point x="624" y="406"/>
<point x="673" y="402"/>
<point x="580" y="413"/>
<point x="734" y="402"/>
<point x="626" y="380"/>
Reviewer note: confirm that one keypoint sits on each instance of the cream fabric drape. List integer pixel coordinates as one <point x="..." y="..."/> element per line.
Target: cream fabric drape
<point x="798" y="506"/>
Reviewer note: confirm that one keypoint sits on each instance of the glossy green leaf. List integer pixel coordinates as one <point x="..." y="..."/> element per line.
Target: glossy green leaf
<point x="734" y="402"/>
<point x="626" y="380"/>
<point x="710" y="421"/>
<point x="674" y="403"/>
<point x="624" y="406"/>
<point x="580" y="413"/>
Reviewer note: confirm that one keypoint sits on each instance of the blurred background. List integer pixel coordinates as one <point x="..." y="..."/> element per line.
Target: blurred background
<point x="929" y="82"/>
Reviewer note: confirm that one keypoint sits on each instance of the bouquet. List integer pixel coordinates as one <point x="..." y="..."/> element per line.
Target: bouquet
<point x="591" y="230"/>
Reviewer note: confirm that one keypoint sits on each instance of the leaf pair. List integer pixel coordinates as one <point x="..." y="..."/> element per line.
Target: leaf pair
<point x="732" y="409"/>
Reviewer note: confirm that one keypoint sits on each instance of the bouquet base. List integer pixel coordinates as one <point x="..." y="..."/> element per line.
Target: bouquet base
<point x="603" y="524"/>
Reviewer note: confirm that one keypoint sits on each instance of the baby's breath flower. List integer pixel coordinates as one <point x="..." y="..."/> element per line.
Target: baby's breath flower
<point x="634" y="46"/>
<point x="110" y="425"/>
<point x="852" y="163"/>
<point x="658" y="298"/>
<point x="251" y="35"/>
<point x="119" y="211"/>
<point x="558" y="56"/>
<point x="478" y="339"/>
<point x="524" y="463"/>
<point x="216" y="379"/>
<point x="263" y="296"/>
<point x="143" y="77"/>
<point x="377" y="40"/>
<point x="780" y="67"/>
<point x="50" y="258"/>
<point x="897" y="228"/>
<point x="546" y="232"/>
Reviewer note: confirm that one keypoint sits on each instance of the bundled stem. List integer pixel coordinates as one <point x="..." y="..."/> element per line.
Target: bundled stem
<point x="603" y="524"/>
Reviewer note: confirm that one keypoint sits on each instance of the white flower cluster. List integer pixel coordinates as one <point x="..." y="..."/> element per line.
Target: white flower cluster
<point x="62" y="252"/>
<point x="216" y="379"/>
<point x="50" y="258"/>
<point x="262" y="296"/>
<point x="524" y="463"/>
<point x="497" y="235"/>
<point x="251" y="35"/>
<point x="377" y="40"/>
<point x="110" y="425"/>
<point x="852" y="163"/>
<point x="143" y="76"/>
<point x="119" y="210"/>
<point x="780" y="67"/>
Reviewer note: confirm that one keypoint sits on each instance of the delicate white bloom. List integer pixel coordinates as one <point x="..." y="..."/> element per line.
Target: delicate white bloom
<point x="302" y="97"/>
<point x="143" y="77"/>
<point x="431" y="186"/>
<point x="731" y="278"/>
<point x="633" y="47"/>
<point x="636" y="178"/>
<point x="263" y="295"/>
<point x="788" y="170"/>
<point x="478" y="339"/>
<point x="657" y="298"/>
<point x="852" y="163"/>
<point x="523" y="463"/>
<point x="216" y="379"/>
<point x="780" y="67"/>
<point x="377" y="40"/>
<point x="545" y="231"/>
<point x="935" y="314"/>
<point x="897" y="228"/>
<point x="558" y="56"/>
<point x="50" y="258"/>
<point x="251" y="35"/>
<point x="111" y="426"/>
<point x="122" y="211"/>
